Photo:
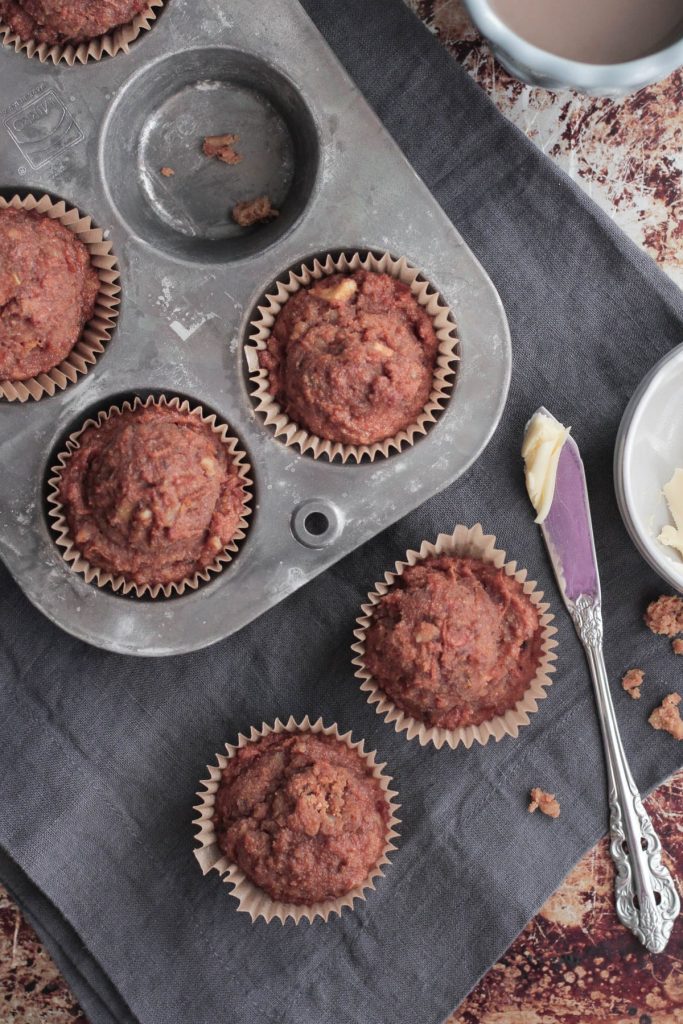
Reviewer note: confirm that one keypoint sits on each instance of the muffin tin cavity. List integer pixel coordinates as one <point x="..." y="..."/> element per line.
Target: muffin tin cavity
<point x="162" y="117"/>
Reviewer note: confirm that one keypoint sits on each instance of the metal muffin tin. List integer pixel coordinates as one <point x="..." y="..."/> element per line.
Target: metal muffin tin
<point x="97" y="136"/>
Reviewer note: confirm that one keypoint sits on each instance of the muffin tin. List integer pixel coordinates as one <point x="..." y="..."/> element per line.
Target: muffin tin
<point x="97" y="136"/>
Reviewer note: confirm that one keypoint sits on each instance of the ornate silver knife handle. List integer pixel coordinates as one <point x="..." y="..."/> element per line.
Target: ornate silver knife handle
<point x="646" y="898"/>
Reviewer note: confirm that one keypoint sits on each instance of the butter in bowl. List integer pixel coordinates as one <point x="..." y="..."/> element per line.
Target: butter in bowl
<point x="648" y="468"/>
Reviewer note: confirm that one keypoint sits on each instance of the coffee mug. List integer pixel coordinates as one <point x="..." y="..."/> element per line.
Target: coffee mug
<point x="537" y="66"/>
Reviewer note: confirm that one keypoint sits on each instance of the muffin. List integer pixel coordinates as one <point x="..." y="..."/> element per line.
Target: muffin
<point x="58" y="22"/>
<point x="151" y="494"/>
<point x="351" y="357"/>
<point x="454" y="642"/>
<point x="48" y="289"/>
<point x="303" y="815"/>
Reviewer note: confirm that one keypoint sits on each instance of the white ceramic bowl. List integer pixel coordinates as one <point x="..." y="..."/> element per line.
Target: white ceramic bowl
<point x="649" y="448"/>
<point x="539" y="67"/>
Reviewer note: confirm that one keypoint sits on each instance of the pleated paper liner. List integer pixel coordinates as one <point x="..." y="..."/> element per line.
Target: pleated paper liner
<point x="470" y="543"/>
<point x="98" y="329"/>
<point x="100" y="577"/>
<point x="292" y="434"/>
<point x="118" y="40"/>
<point x="250" y="898"/>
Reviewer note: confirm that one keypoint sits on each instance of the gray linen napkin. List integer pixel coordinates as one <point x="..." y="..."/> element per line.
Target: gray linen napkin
<point x="101" y="755"/>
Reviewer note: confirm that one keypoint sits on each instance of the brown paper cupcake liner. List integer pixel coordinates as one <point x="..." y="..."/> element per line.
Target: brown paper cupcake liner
<point x="473" y="543"/>
<point x="250" y="898"/>
<point x="290" y="433"/>
<point x="98" y="330"/>
<point x="100" y="577"/>
<point x="108" y="45"/>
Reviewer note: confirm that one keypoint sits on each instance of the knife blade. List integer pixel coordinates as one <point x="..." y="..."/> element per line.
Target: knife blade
<point x="568" y="529"/>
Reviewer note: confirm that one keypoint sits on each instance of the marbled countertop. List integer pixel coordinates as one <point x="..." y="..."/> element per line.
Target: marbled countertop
<point x="574" y="963"/>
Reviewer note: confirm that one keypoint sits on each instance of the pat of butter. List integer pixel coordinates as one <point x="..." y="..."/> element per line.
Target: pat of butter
<point x="541" y="449"/>
<point x="672" y="536"/>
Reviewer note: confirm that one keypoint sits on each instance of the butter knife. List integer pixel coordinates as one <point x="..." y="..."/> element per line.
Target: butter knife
<point x="646" y="898"/>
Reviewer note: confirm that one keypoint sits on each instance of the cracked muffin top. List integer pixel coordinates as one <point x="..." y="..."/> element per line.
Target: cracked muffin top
<point x="151" y="494"/>
<point x="302" y="815"/>
<point x="454" y="641"/>
<point x="351" y="357"/>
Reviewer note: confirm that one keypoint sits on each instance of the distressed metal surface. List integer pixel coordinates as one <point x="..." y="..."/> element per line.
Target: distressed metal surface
<point x="190" y="285"/>
<point x="626" y="154"/>
<point x="575" y="963"/>
<point x="32" y="991"/>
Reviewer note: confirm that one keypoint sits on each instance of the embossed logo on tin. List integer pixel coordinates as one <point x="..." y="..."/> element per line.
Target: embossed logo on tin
<point x="43" y="128"/>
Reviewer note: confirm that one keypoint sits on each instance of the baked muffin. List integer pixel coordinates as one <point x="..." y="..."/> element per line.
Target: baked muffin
<point x="454" y="642"/>
<point x="302" y="815"/>
<point x="48" y="288"/>
<point x="58" y="22"/>
<point x="151" y="494"/>
<point x="351" y="357"/>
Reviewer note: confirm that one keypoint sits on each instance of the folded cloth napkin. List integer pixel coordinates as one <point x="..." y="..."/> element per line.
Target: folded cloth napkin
<point x="100" y="755"/>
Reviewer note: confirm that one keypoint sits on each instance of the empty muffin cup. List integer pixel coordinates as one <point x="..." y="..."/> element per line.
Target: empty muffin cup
<point x="98" y="330"/>
<point x="117" y="40"/>
<point x="251" y="898"/>
<point x="296" y="435"/>
<point x="169" y="508"/>
<point x="469" y="543"/>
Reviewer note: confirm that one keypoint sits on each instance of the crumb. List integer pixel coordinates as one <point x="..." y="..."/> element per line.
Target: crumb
<point x="665" y="616"/>
<point x="222" y="146"/>
<point x="668" y="717"/>
<point x="167" y="172"/>
<point x="254" y="211"/>
<point x="545" y="802"/>
<point x="677" y="646"/>
<point x="632" y="682"/>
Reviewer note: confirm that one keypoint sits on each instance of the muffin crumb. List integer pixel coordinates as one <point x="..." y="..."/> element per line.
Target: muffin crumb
<point x="544" y="802"/>
<point x="677" y="646"/>
<point x="668" y="717"/>
<point x="167" y="172"/>
<point x="222" y="147"/>
<point x="665" y="616"/>
<point x="632" y="682"/>
<point x="254" y="211"/>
